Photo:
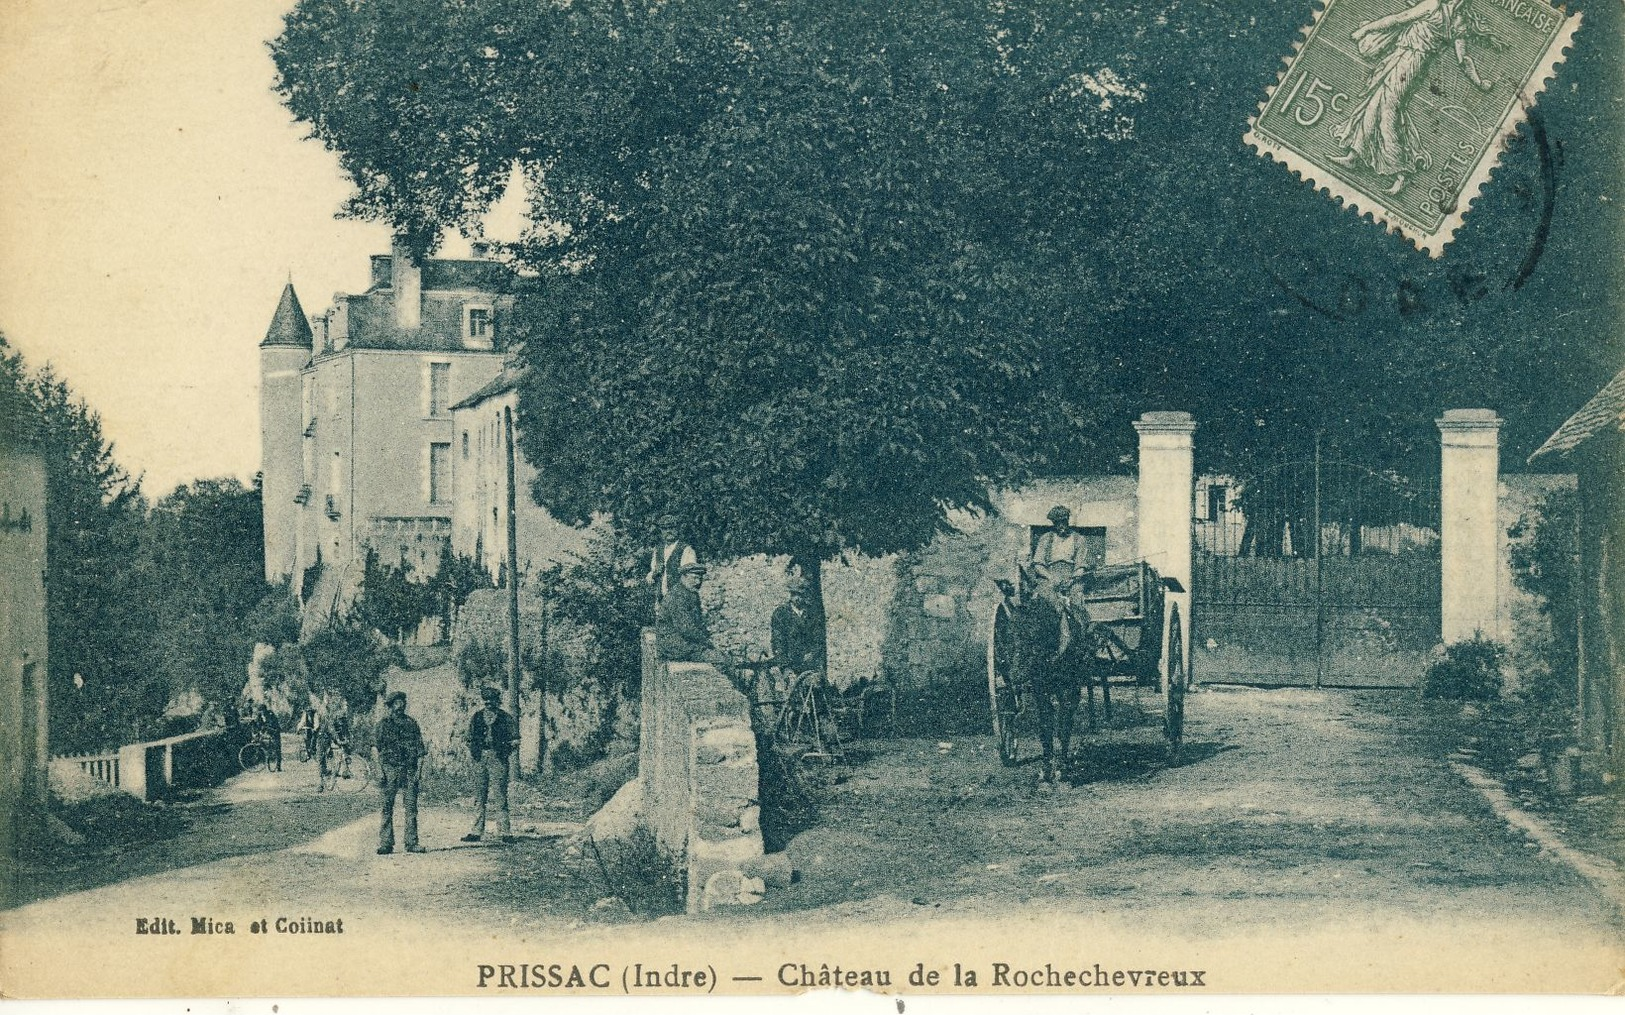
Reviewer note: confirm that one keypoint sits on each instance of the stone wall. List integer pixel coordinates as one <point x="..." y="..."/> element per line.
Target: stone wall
<point x="1521" y="624"/>
<point x="943" y="597"/>
<point x="699" y="778"/>
<point x="585" y="714"/>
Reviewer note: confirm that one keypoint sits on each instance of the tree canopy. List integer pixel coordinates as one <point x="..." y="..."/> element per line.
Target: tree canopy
<point x="810" y="274"/>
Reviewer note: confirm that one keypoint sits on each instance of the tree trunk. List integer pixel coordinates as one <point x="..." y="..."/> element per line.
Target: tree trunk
<point x="812" y="569"/>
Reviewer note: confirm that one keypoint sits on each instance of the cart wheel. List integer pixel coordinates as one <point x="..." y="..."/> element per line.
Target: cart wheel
<point x="1173" y="689"/>
<point x="1000" y="692"/>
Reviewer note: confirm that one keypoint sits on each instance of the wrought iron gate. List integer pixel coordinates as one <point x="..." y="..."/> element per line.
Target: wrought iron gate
<point x="1315" y="574"/>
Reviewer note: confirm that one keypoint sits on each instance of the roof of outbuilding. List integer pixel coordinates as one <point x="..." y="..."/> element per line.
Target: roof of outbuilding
<point x="289" y="326"/>
<point x="501" y="384"/>
<point x="1605" y="413"/>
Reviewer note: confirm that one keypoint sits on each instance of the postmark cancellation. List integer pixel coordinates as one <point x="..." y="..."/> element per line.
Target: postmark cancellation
<point x="1402" y="111"/>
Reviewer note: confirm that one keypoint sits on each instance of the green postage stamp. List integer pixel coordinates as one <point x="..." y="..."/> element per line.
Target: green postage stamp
<point x="1402" y="111"/>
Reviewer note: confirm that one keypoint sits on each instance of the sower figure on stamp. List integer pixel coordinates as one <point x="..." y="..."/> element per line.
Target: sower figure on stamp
<point x="670" y="557"/>
<point x="398" y="746"/>
<point x="1378" y="131"/>
<point x="493" y="736"/>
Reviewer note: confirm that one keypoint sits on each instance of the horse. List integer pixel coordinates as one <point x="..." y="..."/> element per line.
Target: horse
<point x="1056" y="654"/>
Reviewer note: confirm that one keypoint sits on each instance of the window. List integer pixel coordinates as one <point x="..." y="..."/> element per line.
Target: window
<point x="479" y="326"/>
<point x="439" y="473"/>
<point x="439" y="388"/>
<point x="1218" y="496"/>
<point x="465" y="445"/>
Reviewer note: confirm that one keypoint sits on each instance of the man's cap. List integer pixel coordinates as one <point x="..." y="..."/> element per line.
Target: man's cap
<point x="1059" y="514"/>
<point x="491" y="694"/>
<point x="693" y="568"/>
<point x="389" y="699"/>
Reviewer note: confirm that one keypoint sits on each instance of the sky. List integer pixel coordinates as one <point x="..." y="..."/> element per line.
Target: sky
<point x="157" y="196"/>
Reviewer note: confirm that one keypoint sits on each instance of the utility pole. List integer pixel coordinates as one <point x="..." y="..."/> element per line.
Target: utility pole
<point x="513" y="568"/>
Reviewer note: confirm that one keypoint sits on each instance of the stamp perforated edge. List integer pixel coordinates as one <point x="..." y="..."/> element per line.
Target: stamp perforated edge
<point x="1430" y="242"/>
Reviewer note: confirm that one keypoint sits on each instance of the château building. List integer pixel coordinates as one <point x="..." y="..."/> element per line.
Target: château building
<point x="358" y="440"/>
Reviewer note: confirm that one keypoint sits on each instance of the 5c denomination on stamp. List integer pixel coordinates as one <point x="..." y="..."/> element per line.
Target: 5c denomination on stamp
<point x="1402" y="111"/>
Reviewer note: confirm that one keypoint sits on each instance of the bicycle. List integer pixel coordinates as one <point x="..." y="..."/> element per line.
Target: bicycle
<point x="256" y="754"/>
<point x="343" y="771"/>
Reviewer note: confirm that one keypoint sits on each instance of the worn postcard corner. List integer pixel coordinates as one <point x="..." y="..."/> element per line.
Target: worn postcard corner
<point x="1402" y="115"/>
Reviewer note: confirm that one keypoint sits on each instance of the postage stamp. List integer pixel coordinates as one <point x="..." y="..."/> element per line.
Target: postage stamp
<point x="627" y="500"/>
<point x="1402" y="112"/>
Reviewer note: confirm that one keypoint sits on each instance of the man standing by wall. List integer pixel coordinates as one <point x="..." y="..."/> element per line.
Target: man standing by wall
<point x="797" y="630"/>
<point x="399" y="752"/>
<point x="492" y="739"/>
<point x="669" y="559"/>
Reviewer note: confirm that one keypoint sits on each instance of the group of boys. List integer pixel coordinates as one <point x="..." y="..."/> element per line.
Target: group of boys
<point x="681" y="635"/>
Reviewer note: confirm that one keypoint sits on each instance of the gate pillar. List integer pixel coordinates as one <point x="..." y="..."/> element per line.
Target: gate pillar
<point x="1165" y="498"/>
<point x="1469" y="540"/>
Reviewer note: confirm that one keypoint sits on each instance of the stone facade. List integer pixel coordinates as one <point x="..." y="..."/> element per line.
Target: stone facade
<point x="23" y="660"/>
<point x="356" y="424"/>
<point x="479" y="520"/>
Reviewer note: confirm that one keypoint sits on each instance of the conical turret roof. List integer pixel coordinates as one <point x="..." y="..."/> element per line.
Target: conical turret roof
<point x="289" y="326"/>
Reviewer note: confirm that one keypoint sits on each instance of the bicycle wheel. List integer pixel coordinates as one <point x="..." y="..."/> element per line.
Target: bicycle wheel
<point x="252" y="756"/>
<point x="331" y="759"/>
<point x="359" y="777"/>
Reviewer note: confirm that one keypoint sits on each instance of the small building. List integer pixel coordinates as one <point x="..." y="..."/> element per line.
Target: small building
<point x="356" y="423"/>
<point x="25" y="758"/>
<point x="483" y="424"/>
<point x="1590" y="443"/>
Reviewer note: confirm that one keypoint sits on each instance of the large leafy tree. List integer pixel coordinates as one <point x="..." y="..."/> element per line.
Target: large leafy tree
<point x="813" y="272"/>
<point x="202" y="570"/>
<point x="98" y="629"/>
<point x="141" y="605"/>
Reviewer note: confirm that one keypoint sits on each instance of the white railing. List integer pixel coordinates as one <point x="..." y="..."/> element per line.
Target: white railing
<point x="100" y="766"/>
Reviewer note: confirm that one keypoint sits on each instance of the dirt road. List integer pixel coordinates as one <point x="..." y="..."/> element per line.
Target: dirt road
<point x="1289" y="809"/>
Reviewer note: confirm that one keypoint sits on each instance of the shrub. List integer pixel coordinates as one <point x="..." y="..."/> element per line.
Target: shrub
<point x="347" y="657"/>
<point x="602" y="593"/>
<point x="1468" y="671"/>
<point x="641" y="874"/>
<point x="1545" y="564"/>
<point x="482" y="663"/>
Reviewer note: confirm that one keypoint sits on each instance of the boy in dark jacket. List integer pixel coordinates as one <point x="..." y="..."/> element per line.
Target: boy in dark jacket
<point x="493" y="736"/>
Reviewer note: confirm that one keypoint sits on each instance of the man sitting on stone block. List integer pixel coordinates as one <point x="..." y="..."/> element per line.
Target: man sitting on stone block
<point x="680" y="631"/>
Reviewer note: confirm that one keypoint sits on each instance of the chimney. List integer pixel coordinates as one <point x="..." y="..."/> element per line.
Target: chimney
<point x="338" y="321"/>
<point x="407" y="281"/>
<point x="382" y="270"/>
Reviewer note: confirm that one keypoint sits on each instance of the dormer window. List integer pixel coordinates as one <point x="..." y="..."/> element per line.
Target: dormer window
<point x="479" y="328"/>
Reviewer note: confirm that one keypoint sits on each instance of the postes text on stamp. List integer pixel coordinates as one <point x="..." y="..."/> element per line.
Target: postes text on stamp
<point x="1402" y="110"/>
